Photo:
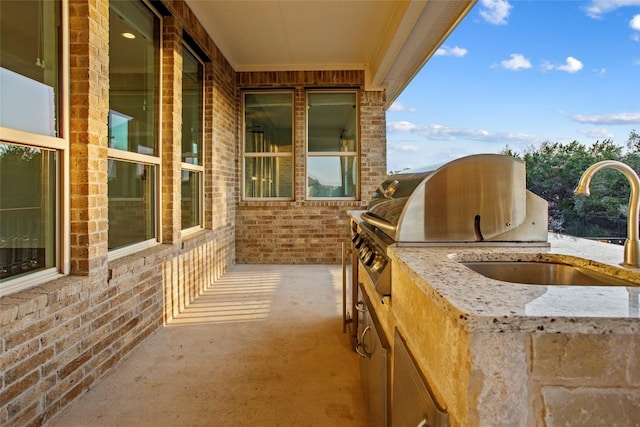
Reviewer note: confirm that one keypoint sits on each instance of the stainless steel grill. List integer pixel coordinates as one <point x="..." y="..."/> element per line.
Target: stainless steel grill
<point x="474" y="200"/>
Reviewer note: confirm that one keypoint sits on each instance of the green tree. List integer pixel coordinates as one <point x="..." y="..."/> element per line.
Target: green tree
<point x="553" y="172"/>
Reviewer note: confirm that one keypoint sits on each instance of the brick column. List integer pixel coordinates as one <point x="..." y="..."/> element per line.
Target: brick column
<point x="171" y="129"/>
<point x="373" y="142"/>
<point x="300" y="143"/>
<point x="208" y="161"/>
<point x="89" y="88"/>
<point x="222" y="133"/>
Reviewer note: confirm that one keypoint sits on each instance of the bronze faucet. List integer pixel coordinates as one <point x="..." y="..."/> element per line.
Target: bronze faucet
<point x="631" y="244"/>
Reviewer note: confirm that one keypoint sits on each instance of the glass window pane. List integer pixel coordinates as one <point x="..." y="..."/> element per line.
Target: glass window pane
<point x="268" y="144"/>
<point x="134" y="52"/>
<point x="332" y="176"/>
<point x="268" y="177"/>
<point x="268" y="123"/>
<point x="131" y="203"/>
<point x="190" y="198"/>
<point x="332" y="119"/>
<point x="192" y="82"/>
<point x="27" y="210"/>
<point x="29" y="72"/>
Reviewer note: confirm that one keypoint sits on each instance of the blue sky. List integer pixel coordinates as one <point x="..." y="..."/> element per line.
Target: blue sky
<point x="518" y="73"/>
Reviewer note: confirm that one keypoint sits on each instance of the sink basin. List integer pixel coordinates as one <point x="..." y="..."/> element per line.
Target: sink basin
<point x="544" y="273"/>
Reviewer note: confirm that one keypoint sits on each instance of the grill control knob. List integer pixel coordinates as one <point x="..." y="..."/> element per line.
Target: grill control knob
<point x="363" y="251"/>
<point x="378" y="263"/>
<point x="355" y="237"/>
<point x="359" y="242"/>
<point x="368" y="258"/>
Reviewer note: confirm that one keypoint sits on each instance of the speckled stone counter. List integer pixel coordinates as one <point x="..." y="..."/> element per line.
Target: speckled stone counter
<point x="504" y="354"/>
<point x="494" y="306"/>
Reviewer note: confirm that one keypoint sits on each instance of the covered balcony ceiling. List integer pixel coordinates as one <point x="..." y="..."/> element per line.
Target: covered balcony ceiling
<point x="389" y="39"/>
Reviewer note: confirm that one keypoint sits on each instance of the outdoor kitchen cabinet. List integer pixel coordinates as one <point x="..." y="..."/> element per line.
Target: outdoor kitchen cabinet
<point x="412" y="403"/>
<point x="373" y="349"/>
<point x="395" y="390"/>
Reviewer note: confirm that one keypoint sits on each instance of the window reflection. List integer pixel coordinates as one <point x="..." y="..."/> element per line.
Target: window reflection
<point x="192" y="135"/>
<point x="332" y="176"/>
<point x="27" y="210"/>
<point x="268" y="177"/>
<point x="332" y="166"/>
<point x="29" y="71"/>
<point x="134" y="86"/>
<point x="131" y="203"/>
<point x="190" y="202"/>
<point x="133" y="77"/>
<point x="192" y="82"/>
<point x="268" y="145"/>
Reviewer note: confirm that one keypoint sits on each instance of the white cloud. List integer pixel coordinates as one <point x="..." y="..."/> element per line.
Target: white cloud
<point x="401" y="126"/>
<point x="407" y="147"/>
<point x="400" y="107"/>
<point x="495" y="11"/>
<point x="422" y="146"/>
<point x="597" y="8"/>
<point x="436" y="132"/>
<point x="516" y="62"/>
<point x="597" y="134"/>
<point x="571" y="66"/>
<point x="635" y="23"/>
<point x="608" y="119"/>
<point x="451" y="51"/>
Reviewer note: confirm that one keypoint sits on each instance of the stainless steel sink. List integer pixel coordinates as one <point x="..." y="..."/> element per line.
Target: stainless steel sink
<point x="544" y="273"/>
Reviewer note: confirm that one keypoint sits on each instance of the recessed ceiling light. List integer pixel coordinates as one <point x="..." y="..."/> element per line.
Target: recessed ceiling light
<point x="128" y="35"/>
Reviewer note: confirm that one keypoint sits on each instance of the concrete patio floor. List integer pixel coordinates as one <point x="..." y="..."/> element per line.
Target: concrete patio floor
<point x="262" y="347"/>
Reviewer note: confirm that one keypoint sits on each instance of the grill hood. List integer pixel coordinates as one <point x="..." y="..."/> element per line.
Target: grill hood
<point x="479" y="198"/>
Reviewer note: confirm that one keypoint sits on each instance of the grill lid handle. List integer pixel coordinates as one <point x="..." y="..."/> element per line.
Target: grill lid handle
<point x="381" y="223"/>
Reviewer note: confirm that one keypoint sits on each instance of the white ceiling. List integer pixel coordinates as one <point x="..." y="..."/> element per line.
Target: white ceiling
<point x="389" y="39"/>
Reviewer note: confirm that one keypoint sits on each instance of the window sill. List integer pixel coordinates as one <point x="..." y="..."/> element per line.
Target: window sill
<point x="146" y="257"/>
<point x="198" y="238"/>
<point x="30" y="301"/>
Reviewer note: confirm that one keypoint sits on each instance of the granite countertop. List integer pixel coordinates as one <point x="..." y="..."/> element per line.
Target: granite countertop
<point x="484" y="304"/>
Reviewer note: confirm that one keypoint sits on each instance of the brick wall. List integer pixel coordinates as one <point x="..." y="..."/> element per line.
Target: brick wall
<point x="308" y="231"/>
<point x="291" y="232"/>
<point x="58" y="338"/>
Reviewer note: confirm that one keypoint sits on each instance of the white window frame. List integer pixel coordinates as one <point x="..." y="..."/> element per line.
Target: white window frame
<point x="190" y="166"/>
<point x="356" y="153"/>
<point x="60" y="144"/>
<point x="129" y="156"/>
<point x="290" y="154"/>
